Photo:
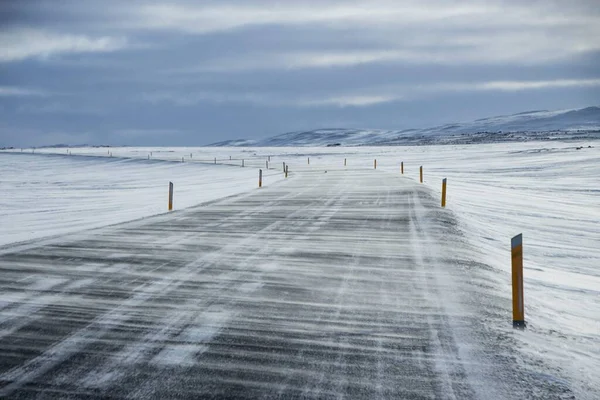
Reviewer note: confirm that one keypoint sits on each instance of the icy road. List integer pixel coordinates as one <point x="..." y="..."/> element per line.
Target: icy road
<point x="337" y="284"/>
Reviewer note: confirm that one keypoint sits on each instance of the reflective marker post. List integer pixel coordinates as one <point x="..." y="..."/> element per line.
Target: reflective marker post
<point x="375" y="164"/>
<point x="402" y="167"/>
<point x="170" y="196"/>
<point x="516" y="245"/>
<point x="421" y="173"/>
<point x="260" y="178"/>
<point x="444" y="192"/>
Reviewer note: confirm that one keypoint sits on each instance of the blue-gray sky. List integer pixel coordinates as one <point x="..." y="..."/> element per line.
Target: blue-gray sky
<point x="195" y="72"/>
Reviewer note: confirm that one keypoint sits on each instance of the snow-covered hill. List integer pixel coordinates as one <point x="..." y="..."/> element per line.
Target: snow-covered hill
<point x="563" y="124"/>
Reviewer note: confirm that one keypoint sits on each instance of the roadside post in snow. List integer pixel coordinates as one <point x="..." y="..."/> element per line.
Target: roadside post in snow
<point x="375" y="164"/>
<point x="516" y="245"/>
<point x="267" y="164"/>
<point x="402" y="167"/>
<point x="284" y="167"/>
<point x="170" y="196"/>
<point x="444" y="192"/>
<point x="242" y="162"/>
<point x="344" y="162"/>
<point x="308" y="160"/>
<point x="421" y="173"/>
<point x="215" y="160"/>
<point x="286" y="171"/>
<point x="260" y="178"/>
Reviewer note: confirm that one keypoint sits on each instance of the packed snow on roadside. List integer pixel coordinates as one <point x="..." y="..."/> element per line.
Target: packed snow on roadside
<point x="46" y="195"/>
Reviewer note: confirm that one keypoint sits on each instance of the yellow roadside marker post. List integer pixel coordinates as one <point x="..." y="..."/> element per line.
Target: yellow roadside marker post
<point x="516" y="245"/>
<point x="170" y="196"/>
<point x="444" y="192"/>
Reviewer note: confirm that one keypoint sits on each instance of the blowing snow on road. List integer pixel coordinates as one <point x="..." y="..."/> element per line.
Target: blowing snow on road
<point x="334" y="283"/>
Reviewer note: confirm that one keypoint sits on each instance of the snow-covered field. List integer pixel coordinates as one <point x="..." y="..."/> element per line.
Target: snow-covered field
<point x="550" y="192"/>
<point x="45" y="195"/>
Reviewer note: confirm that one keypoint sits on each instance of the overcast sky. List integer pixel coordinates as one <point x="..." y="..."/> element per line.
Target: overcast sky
<point x="196" y="72"/>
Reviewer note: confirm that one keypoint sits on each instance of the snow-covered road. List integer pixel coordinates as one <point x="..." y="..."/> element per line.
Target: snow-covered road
<point x="347" y="283"/>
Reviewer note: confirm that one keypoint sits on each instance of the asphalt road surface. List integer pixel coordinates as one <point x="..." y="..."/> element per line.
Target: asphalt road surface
<point x="337" y="284"/>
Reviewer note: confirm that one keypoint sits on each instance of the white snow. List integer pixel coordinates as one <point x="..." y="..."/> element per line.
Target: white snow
<point x="45" y="195"/>
<point x="549" y="191"/>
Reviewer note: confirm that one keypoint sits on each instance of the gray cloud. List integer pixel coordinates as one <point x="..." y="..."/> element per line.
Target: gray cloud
<point x="210" y="70"/>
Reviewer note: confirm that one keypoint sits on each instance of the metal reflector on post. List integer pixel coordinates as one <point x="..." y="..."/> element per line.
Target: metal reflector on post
<point x="516" y="245"/>
<point x="421" y="173"/>
<point x="260" y="178"/>
<point x="444" y="192"/>
<point x="170" y="196"/>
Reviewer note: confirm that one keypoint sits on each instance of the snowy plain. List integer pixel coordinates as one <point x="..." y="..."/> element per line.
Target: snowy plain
<point x="549" y="191"/>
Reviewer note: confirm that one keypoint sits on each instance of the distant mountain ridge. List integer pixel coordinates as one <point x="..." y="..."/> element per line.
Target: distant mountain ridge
<point x="527" y="125"/>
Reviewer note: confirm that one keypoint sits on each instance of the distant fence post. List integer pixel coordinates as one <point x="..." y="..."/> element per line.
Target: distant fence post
<point x="444" y="192"/>
<point x="267" y="164"/>
<point x="344" y="162"/>
<point x="516" y="245"/>
<point x="402" y="167"/>
<point x="215" y="160"/>
<point x="375" y="164"/>
<point x="286" y="171"/>
<point x="170" y="196"/>
<point x="260" y="178"/>
<point x="308" y="160"/>
<point x="284" y="167"/>
<point x="421" y="173"/>
<point x="242" y="162"/>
